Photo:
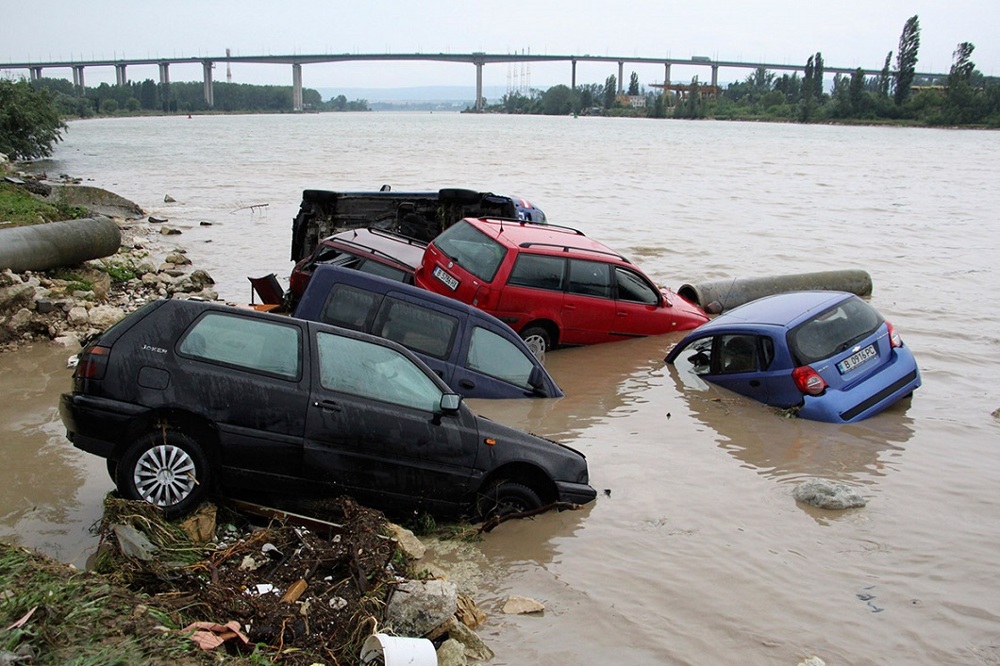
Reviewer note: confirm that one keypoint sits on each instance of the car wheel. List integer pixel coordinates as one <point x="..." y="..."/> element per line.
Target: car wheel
<point x="538" y="340"/>
<point x="112" y="466"/>
<point x="167" y="469"/>
<point x="507" y="497"/>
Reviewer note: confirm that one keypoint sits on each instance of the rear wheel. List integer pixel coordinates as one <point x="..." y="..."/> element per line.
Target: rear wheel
<point x="167" y="469"/>
<point x="507" y="497"/>
<point x="538" y="340"/>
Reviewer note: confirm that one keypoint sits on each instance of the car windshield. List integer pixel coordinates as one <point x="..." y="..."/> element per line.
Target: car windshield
<point x="833" y="330"/>
<point x="472" y="250"/>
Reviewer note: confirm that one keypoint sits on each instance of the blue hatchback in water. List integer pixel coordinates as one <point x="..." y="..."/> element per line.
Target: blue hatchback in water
<point x="830" y="356"/>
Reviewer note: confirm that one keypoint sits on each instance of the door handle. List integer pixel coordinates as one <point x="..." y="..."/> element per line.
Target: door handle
<point x="466" y="384"/>
<point x="569" y="306"/>
<point x="327" y="405"/>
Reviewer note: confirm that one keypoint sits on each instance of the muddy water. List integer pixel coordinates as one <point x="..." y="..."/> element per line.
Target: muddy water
<point x="695" y="552"/>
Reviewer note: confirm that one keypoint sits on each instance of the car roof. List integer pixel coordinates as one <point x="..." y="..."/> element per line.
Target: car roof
<point x="785" y="310"/>
<point x="547" y="239"/>
<point x="407" y="251"/>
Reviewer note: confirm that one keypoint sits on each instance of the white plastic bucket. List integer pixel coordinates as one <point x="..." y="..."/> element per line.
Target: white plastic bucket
<point x="399" y="651"/>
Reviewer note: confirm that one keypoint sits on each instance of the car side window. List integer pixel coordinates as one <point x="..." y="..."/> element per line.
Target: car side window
<point x="494" y="355"/>
<point x="252" y="344"/>
<point x="589" y="278"/>
<point x="418" y="328"/>
<point x="736" y="353"/>
<point x="631" y="287"/>
<point x="538" y="271"/>
<point x="350" y="307"/>
<point x="372" y="371"/>
<point x="383" y="270"/>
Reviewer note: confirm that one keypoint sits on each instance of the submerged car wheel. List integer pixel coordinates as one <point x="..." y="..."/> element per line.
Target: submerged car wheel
<point x="538" y="340"/>
<point x="507" y="497"/>
<point x="167" y="469"/>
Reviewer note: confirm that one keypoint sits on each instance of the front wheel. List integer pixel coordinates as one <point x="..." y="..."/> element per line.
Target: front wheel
<point x="538" y="341"/>
<point x="505" y="498"/>
<point x="167" y="469"/>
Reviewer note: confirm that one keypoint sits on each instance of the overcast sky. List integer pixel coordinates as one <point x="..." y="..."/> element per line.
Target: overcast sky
<point x="849" y="33"/>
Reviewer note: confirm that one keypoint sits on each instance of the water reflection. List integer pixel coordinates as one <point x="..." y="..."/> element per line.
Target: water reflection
<point x="788" y="448"/>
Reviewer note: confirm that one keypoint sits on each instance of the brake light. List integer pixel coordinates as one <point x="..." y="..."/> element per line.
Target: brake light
<point x="894" y="338"/>
<point x="93" y="363"/>
<point x="808" y="380"/>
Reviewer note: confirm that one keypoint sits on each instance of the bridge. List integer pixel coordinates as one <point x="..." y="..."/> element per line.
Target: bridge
<point x="477" y="59"/>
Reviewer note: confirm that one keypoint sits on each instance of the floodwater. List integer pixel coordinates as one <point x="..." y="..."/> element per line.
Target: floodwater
<point x="695" y="551"/>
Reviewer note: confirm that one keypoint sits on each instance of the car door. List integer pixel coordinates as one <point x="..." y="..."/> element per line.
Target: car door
<point x="494" y="366"/>
<point x="374" y="427"/>
<point x="638" y="305"/>
<point x="588" y="312"/>
<point x="737" y="364"/>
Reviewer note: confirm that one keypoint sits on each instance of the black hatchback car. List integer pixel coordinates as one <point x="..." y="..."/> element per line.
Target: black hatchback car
<point x="186" y="397"/>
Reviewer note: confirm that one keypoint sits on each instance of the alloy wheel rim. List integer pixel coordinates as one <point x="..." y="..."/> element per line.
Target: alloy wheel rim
<point x="164" y="475"/>
<point x="536" y="345"/>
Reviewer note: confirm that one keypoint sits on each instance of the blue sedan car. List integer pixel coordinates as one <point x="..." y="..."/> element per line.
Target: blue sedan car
<point x="828" y="355"/>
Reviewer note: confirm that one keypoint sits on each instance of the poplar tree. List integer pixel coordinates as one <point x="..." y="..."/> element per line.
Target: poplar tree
<point x="906" y="59"/>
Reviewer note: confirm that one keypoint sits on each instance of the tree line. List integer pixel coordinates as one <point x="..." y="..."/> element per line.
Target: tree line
<point x="895" y="94"/>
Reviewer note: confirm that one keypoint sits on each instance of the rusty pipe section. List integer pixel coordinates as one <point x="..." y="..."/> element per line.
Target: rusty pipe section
<point x="43" y="246"/>
<point x="720" y="295"/>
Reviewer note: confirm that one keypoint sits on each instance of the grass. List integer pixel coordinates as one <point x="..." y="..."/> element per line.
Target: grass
<point x="19" y="208"/>
<point x="80" y="619"/>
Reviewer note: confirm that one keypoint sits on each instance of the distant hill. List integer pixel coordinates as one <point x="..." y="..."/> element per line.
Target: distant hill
<point x="418" y="98"/>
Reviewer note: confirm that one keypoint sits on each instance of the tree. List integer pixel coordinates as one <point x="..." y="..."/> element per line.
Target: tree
<point x="906" y="59"/>
<point x="610" y="91"/>
<point x="633" y="84"/>
<point x="882" y="83"/>
<point x="29" y="123"/>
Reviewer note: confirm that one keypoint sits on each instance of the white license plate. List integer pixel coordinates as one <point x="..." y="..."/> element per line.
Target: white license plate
<point x="856" y="359"/>
<point x="449" y="281"/>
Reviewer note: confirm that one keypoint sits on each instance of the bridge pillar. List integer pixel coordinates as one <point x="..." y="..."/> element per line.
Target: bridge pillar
<point x="165" y="86"/>
<point x="78" y="83"/>
<point x="715" y="75"/>
<point x="666" y="74"/>
<point x="621" y="65"/>
<point x="206" y="67"/>
<point x="120" y="75"/>
<point x="36" y="73"/>
<point x="296" y="87"/>
<point x="479" y="86"/>
<point x="574" y="74"/>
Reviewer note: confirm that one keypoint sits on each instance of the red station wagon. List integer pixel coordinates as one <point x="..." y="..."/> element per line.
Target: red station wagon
<point x="553" y="285"/>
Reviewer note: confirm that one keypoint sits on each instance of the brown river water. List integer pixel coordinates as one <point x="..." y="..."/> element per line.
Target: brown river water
<point x="695" y="551"/>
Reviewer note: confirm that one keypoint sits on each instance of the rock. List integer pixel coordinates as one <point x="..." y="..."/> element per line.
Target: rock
<point x="78" y="316"/>
<point x="156" y="219"/>
<point x="417" y="607"/>
<point x="167" y="231"/>
<point x="516" y="605"/>
<point x="411" y="546"/>
<point x="201" y="278"/>
<point x="168" y="199"/>
<point x="812" y="661"/>
<point x="475" y="648"/>
<point x="468" y="612"/>
<point x="44" y="306"/>
<point x="177" y="259"/>
<point x="826" y="494"/>
<point x="103" y="316"/>
<point x="451" y="653"/>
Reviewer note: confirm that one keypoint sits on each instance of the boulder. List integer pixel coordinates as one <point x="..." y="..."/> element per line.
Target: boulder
<point x="411" y="546"/>
<point x="825" y="494"/>
<point x="417" y="606"/>
<point x="451" y="653"/>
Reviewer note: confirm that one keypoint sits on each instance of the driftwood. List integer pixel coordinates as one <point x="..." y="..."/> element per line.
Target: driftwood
<point x="492" y="522"/>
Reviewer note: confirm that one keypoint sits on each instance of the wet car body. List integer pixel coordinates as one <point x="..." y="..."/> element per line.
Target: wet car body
<point x="183" y="397"/>
<point x="476" y="354"/>
<point x="552" y="284"/>
<point x="828" y="355"/>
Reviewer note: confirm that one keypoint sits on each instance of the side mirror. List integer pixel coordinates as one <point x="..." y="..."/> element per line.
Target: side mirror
<point x="450" y="402"/>
<point x="536" y="382"/>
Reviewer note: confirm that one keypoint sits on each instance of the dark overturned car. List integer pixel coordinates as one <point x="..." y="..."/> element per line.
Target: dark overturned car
<point x="184" y="398"/>
<point x="417" y="215"/>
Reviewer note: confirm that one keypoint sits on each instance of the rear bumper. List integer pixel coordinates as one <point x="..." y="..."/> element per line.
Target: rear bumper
<point x="869" y="397"/>
<point x="96" y="425"/>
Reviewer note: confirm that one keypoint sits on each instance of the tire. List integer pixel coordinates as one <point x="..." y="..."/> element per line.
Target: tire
<point x="507" y="497"/>
<point x="538" y="340"/>
<point x="458" y="196"/>
<point x="167" y="469"/>
<point x="112" y="466"/>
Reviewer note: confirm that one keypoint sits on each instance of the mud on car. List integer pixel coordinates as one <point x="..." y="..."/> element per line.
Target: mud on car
<point x="184" y="398"/>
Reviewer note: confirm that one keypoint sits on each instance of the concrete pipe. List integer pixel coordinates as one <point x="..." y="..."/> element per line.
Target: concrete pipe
<point x="720" y="295"/>
<point x="44" y="246"/>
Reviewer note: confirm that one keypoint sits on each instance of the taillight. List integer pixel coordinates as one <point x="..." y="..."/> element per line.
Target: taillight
<point x="93" y="363"/>
<point x="894" y="338"/>
<point x="808" y="380"/>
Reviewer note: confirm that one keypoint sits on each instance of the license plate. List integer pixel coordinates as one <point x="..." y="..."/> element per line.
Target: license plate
<point x="449" y="281"/>
<point x="856" y="359"/>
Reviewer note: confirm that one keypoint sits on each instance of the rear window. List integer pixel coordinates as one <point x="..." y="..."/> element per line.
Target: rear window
<point x="833" y="330"/>
<point x="252" y="344"/>
<point x="538" y="271"/>
<point x="472" y="250"/>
